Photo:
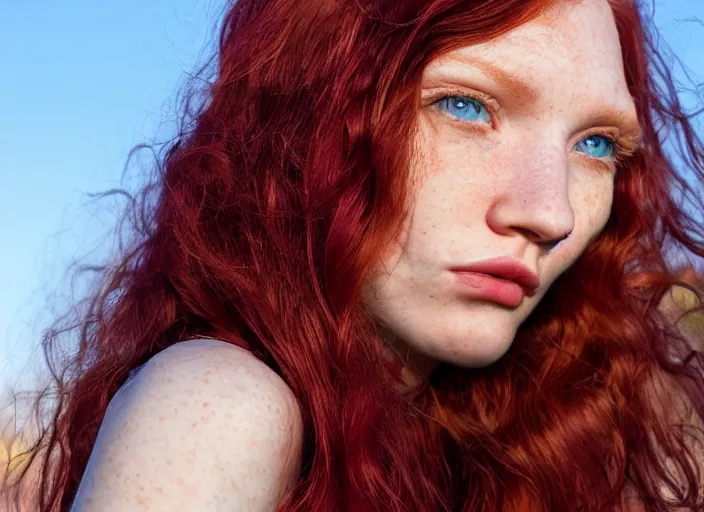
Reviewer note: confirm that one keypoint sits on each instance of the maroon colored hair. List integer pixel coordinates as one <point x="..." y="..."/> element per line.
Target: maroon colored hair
<point x="266" y="215"/>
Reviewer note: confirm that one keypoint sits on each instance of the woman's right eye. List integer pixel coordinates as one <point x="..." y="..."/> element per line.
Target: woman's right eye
<point x="465" y="109"/>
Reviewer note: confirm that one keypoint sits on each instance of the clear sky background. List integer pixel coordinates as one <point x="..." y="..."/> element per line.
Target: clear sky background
<point x="84" y="81"/>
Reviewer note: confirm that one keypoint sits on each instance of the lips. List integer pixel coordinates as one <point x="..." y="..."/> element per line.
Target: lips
<point x="505" y="268"/>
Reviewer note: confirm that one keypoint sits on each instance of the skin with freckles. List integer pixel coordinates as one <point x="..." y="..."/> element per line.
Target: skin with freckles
<point x="203" y="426"/>
<point x="503" y="169"/>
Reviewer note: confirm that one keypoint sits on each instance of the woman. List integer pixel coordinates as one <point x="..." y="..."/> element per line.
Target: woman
<point x="407" y="256"/>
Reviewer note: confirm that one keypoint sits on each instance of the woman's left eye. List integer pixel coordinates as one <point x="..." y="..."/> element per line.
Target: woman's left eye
<point x="597" y="146"/>
<point x="465" y="109"/>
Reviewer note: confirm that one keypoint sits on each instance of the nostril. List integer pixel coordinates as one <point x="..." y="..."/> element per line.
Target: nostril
<point x="550" y="244"/>
<point x="529" y="234"/>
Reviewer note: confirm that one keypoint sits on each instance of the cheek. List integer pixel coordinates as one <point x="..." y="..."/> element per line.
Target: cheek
<point x="592" y="203"/>
<point x="591" y="198"/>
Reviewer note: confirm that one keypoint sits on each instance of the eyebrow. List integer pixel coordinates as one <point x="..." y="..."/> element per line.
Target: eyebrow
<point x="512" y="82"/>
<point x="629" y="128"/>
<point x="608" y="115"/>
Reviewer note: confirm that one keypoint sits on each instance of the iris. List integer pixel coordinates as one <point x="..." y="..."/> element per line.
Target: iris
<point x="465" y="109"/>
<point x="596" y="146"/>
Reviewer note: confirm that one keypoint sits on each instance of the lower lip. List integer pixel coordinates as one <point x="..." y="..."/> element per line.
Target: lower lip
<point x="494" y="289"/>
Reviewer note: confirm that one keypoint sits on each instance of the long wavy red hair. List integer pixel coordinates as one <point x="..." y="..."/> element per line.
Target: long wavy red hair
<point x="265" y="216"/>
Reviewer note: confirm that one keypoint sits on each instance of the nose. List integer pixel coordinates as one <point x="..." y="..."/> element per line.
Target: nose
<point x="533" y="198"/>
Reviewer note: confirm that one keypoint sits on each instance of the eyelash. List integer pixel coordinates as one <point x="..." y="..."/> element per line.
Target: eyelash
<point x="620" y="154"/>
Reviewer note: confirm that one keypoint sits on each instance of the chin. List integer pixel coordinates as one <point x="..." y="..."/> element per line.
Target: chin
<point x="473" y="337"/>
<point x="481" y="347"/>
<point x="480" y="357"/>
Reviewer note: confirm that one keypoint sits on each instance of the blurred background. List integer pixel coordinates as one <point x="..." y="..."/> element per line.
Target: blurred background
<point x="83" y="83"/>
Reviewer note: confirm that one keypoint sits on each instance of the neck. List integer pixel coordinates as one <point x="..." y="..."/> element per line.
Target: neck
<point x="417" y="367"/>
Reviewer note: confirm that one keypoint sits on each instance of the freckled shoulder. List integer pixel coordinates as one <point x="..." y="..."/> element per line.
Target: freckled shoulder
<point x="204" y="425"/>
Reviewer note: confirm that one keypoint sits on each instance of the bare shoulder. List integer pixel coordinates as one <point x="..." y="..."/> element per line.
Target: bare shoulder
<point x="204" y="425"/>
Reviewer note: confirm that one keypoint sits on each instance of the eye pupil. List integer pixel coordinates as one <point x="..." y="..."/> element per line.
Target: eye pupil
<point x="465" y="109"/>
<point x="596" y="146"/>
<point x="462" y="104"/>
<point x="593" y="142"/>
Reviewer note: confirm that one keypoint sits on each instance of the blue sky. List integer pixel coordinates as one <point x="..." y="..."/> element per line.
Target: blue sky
<point x="83" y="82"/>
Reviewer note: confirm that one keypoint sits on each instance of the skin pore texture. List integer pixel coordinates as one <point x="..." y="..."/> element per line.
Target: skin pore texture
<point x="501" y="170"/>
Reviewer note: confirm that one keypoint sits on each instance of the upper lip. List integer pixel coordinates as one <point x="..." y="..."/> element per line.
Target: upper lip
<point x="505" y="268"/>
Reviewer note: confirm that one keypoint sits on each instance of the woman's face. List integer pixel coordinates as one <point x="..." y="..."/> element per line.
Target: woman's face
<point x="517" y="144"/>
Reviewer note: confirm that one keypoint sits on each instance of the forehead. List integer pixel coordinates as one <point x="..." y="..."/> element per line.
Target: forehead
<point x="572" y="49"/>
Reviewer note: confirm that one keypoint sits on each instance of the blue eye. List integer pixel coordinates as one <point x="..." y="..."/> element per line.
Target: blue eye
<point x="465" y="109"/>
<point x="597" y="146"/>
